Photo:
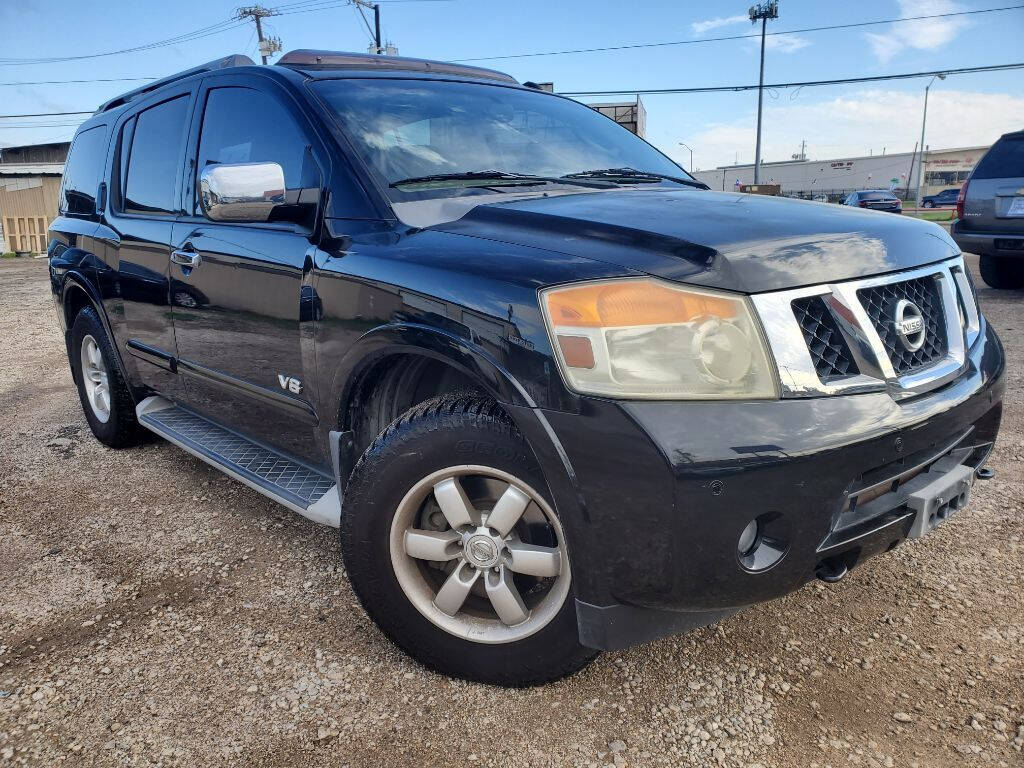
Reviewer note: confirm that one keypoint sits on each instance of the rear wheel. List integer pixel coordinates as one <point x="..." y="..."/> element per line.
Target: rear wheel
<point x="1000" y="272"/>
<point x="455" y="551"/>
<point x="102" y="389"/>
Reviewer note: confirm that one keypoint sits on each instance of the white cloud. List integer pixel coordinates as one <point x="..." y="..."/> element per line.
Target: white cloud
<point x="784" y="43"/>
<point x="855" y="123"/>
<point x="921" y="34"/>
<point x="700" y="27"/>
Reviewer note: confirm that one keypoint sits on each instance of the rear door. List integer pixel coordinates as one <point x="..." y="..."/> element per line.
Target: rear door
<point x="243" y="344"/>
<point x="147" y="173"/>
<point x="995" y="192"/>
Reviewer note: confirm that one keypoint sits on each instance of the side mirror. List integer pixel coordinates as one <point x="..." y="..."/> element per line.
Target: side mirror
<point x="242" y="192"/>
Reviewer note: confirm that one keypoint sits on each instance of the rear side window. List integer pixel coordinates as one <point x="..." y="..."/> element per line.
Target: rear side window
<point x="83" y="171"/>
<point x="156" y="154"/>
<point x="242" y="125"/>
<point x="1004" y="160"/>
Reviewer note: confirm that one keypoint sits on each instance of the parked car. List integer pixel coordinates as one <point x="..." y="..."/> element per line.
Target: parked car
<point x="557" y="395"/>
<point x="946" y="197"/>
<point x="875" y="200"/>
<point x="990" y="213"/>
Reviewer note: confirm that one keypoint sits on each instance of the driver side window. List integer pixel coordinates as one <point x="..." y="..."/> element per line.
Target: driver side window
<point x="242" y="125"/>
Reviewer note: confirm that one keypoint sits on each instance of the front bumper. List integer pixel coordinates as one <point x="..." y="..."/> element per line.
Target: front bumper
<point x="662" y="491"/>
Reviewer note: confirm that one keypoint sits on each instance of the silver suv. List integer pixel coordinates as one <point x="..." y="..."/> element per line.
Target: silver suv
<point x="990" y="213"/>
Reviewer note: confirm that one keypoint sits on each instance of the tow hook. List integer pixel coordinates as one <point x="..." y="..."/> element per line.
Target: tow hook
<point x="985" y="473"/>
<point x="831" y="572"/>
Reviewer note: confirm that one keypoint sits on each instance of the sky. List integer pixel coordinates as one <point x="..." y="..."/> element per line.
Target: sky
<point x="835" y="121"/>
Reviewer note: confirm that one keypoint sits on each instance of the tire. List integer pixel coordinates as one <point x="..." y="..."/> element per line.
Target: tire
<point x="1004" y="273"/>
<point x="440" y="438"/>
<point x="928" y="204"/>
<point x="115" y="426"/>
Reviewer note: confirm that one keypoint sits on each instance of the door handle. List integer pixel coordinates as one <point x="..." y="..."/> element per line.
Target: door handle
<point x="189" y="259"/>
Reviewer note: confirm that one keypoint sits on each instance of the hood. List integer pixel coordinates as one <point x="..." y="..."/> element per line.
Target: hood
<point x="749" y="243"/>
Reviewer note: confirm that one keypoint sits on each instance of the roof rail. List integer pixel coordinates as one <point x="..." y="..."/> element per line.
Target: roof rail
<point x="234" y="60"/>
<point x="312" y="60"/>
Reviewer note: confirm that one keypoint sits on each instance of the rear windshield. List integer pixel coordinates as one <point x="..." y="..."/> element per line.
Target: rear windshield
<point x="1004" y="160"/>
<point x="877" y="196"/>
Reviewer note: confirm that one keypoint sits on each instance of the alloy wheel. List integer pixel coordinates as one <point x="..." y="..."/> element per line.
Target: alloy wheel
<point x="480" y="554"/>
<point x="94" y="378"/>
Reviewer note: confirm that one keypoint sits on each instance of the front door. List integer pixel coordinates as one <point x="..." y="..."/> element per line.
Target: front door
<point x="243" y="344"/>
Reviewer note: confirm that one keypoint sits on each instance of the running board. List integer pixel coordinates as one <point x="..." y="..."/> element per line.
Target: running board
<point x="300" y="488"/>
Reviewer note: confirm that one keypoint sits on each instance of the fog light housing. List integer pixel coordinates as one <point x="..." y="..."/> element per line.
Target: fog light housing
<point x="763" y="542"/>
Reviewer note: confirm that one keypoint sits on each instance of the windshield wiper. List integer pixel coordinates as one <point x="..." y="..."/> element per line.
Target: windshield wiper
<point x="634" y="175"/>
<point x="500" y="178"/>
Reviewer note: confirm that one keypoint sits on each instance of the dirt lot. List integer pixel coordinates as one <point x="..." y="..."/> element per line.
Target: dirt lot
<point x="155" y="612"/>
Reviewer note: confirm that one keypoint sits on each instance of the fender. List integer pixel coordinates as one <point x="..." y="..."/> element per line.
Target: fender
<point x="416" y="339"/>
<point x="74" y="280"/>
<point x="490" y="376"/>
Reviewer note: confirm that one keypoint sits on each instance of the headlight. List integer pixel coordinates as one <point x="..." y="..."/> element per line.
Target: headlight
<point x="642" y="338"/>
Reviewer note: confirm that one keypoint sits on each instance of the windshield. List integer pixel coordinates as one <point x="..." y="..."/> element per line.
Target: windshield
<point x="408" y="130"/>
<point x="879" y="195"/>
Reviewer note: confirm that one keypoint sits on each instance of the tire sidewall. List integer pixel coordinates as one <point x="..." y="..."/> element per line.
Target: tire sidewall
<point x="116" y="429"/>
<point x="413" y="450"/>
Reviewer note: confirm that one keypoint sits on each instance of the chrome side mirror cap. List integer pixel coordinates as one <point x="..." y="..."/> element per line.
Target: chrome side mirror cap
<point x="241" y="192"/>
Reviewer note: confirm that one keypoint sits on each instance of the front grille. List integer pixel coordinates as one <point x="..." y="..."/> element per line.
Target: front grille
<point x="829" y="352"/>
<point x="879" y="303"/>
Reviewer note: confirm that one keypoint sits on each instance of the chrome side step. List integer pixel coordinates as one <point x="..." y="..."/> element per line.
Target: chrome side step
<point x="300" y="488"/>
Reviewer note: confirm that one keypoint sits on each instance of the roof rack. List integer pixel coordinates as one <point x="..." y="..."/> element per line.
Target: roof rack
<point x="234" y="60"/>
<point x="312" y="60"/>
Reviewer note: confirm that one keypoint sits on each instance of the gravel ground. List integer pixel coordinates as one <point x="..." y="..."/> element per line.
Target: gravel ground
<point x="155" y="612"/>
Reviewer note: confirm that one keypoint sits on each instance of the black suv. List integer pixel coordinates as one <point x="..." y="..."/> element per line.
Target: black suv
<point x="556" y="394"/>
<point x="990" y="213"/>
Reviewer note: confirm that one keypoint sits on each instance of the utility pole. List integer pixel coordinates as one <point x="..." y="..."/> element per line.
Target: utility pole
<point x="924" y="119"/>
<point x="762" y="12"/>
<point x="378" y="46"/>
<point x="257" y="13"/>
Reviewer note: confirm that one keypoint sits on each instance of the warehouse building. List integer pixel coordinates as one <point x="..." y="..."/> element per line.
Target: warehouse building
<point x="835" y="179"/>
<point x="29" y="187"/>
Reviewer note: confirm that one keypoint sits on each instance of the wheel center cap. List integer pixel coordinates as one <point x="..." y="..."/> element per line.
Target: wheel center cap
<point x="482" y="551"/>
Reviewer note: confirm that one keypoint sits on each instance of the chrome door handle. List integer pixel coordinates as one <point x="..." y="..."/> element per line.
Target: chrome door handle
<point x="189" y="259"/>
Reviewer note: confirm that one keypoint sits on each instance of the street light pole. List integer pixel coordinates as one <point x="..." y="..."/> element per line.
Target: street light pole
<point x="762" y="12"/>
<point x="684" y="144"/>
<point x="924" y="120"/>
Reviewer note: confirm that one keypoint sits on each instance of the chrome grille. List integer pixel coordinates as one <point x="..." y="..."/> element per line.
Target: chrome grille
<point x="829" y="351"/>
<point x="841" y="338"/>
<point x="879" y="302"/>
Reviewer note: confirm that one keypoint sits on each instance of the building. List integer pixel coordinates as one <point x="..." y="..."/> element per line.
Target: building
<point x="29" y="188"/>
<point x="631" y="115"/>
<point x="836" y="178"/>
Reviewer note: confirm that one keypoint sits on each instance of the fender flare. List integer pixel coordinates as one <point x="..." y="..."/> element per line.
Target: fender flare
<point x="414" y="339"/>
<point x="74" y="280"/>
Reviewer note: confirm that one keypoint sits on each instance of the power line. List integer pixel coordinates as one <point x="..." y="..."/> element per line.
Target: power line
<point x="713" y="88"/>
<point x="213" y="29"/>
<point x="693" y="41"/>
<point x="804" y="84"/>
<point x="61" y="82"/>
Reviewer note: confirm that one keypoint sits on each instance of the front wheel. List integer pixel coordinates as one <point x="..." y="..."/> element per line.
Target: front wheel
<point x="455" y="551"/>
<point x="1000" y="272"/>
<point x="928" y="204"/>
